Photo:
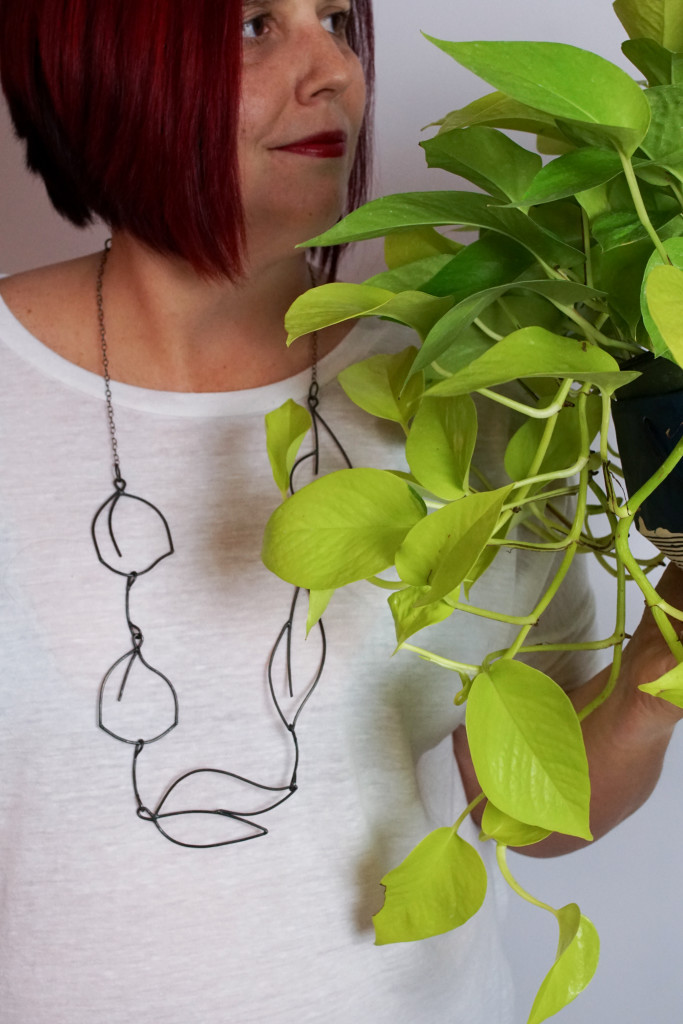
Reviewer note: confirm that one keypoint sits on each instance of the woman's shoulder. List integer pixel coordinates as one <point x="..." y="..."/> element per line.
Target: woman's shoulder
<point x="50" y="302"/>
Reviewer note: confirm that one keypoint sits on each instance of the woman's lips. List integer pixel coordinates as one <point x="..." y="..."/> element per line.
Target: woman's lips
<point x="326" y="145"/>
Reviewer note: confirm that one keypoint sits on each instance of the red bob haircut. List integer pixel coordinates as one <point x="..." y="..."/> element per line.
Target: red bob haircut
<point x="129" y="109"/>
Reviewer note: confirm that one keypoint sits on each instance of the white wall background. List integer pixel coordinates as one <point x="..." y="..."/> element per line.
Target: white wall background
<point x="630" y="883"/>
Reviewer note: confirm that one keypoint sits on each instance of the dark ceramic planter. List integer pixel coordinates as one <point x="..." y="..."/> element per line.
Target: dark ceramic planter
<point x="648" y="419"/>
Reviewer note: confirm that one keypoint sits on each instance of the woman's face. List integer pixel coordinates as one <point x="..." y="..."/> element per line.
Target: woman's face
<point x="303" y="97"/>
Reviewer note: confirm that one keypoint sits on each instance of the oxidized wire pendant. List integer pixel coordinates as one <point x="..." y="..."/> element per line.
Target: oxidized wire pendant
<point x="138" y="704"/>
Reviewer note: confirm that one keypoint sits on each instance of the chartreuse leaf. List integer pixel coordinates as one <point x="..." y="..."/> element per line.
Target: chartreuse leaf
<point x="412" y="244"/>
<point x="378" y="385"/>
<point x="674" y="250"/>
<point x="574" y="172"/>
<point x="318" y="601"/>
<point x="342" y="527"/>
<point x="664" y="294"/>
<point x="485" y="263"/>
<point x="508" y="831"/>
<point x="498" y="110"/>
<point x="565" y="447"/>
<point x="334" y="303"/>
<point x="467" y="209"/>
<point x="286" y="428"/>
<point x="448" y="542"/>
<point x="533" y="352"/>
<point x="663" y="142"/>
<point x="411" y="276"/>
<point x="486" y="157"/>
<point x="664" y="135"/>
<point x="564" y="81"/>
<point x="650" y="57"/>
<point x="438" y="887"/>
<point x="578" y="952"/>
<point x="619" y="272"/>
<point x="527" y="748"/>
<point x="668" y="687"/>
<point x="441" y="443"/>
<point x="446" y="330"/>
<point x="661" y="20"/>
<point x="408" y="619"/>
<point x="622" y="227"/>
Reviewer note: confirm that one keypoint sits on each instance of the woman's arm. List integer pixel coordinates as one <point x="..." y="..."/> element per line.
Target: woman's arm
<point x="626" y="738"/>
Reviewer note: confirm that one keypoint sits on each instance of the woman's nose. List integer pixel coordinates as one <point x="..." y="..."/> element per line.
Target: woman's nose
<point x="328" y="64"/>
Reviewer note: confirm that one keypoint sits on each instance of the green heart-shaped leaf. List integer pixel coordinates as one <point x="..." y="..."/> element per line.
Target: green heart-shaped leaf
<point x="528" y="749"/>
<point x="448" y="542"/>
<point x="487" y="158"/>
<point x="661" y="20"/>
<point x="378" y="385"/>
<point x="484" y="263"/>
<point x="674" y="250"/>
<point x="663" y="141"/>
<point x="445" y="332"/>
<point x="497" y="110"/>
<point x="286" y="428"/>
<point x="664" y="297"/>
<point x="530" y="352"/>
<point x="342" y="527"/>
<point x="337" y="302"/>
<point x="441" y="443"/>
<point x="408" y="619"/>
<point x="318" y="600"/>
<point x="650" y="57"/>
<point x="508" y="831"/>
<point x="411" y="276"/>
<point x="563" y="81"/>
<point x="668" y="687"/>
<point x="575" y="172"/>
<point x="438" y="887"/>
<point x="565" y="447"/>
<point x="411" y="244"/>
<point x="467" y="209"/>
<point x="577" y="959"/>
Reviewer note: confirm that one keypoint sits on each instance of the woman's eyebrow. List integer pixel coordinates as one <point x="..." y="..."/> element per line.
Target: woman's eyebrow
<point x="249" y="5"/>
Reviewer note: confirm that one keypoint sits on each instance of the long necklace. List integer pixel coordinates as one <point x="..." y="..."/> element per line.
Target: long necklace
<point x="160" y="707"/>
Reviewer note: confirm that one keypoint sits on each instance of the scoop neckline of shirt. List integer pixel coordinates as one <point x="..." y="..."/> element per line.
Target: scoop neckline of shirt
<point x="178" y="403"/>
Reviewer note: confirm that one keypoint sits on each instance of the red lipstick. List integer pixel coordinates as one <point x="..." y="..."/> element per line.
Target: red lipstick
<point x="326" y="145"/>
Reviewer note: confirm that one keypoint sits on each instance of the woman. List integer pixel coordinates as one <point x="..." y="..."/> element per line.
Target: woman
<point x="211" y="139"/>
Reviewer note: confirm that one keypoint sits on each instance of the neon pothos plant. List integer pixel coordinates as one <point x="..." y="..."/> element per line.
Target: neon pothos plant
<point x="577" y="268"/>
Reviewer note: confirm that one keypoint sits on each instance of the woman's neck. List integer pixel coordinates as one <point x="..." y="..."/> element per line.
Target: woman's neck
<point x="167" y="328"/>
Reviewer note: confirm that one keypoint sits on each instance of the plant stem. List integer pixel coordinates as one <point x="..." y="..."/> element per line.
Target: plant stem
<point x="658" y="608"/>
<point x="563" y="569"/>
<point x="604" y="426"/>
<point x="595" y="336"/>
<point x="526" y="410"/>
<point x="484" y="613"/>
<point x="466" y="813"/>
<point x="501" y="857"/>
<point x="586" y="230"/>
<point x="454" y="666"/>
<point x="636" y="500"/>
<point x="487" y="330"/>
<point x="643" y="216"/>
<point x="675" y="188"/>
<point x="620" y="636"/>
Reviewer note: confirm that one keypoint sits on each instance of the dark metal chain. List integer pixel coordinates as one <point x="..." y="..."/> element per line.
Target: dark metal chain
<point x="105" y="361"/>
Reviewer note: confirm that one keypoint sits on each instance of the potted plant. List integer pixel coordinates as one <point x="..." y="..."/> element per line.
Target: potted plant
<point x="568" y="310"/>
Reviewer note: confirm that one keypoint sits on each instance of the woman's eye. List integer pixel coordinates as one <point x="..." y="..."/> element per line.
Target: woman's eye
<point x="337" y="23"/>
<point x="255" y="27"/>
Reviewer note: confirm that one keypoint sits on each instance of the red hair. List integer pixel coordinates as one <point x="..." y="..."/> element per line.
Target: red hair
<point x="130" y="111"/>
